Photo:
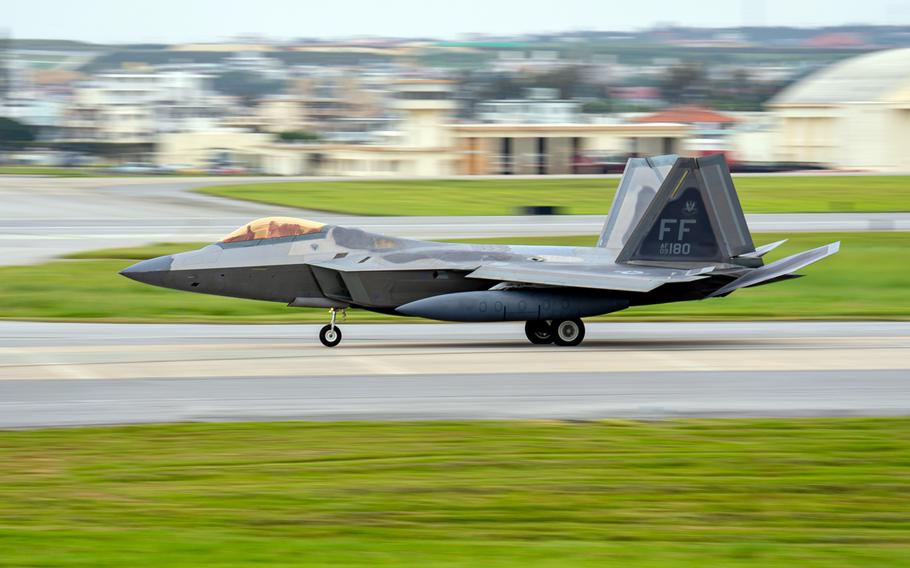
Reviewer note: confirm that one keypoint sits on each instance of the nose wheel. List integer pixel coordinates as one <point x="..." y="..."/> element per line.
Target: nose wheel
<point x="330" y="335"/>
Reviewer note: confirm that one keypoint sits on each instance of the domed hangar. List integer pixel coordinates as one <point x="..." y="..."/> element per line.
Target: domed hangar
<point x="853" y="114"/>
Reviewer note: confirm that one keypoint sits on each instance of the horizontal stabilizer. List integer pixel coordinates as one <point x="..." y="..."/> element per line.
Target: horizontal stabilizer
<point x="778" y="268"/>
<point x="762" y="250"/>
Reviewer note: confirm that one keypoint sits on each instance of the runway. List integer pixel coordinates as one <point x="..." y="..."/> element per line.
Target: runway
<point x="44" y="218"/>
<point x="83" y="374"/>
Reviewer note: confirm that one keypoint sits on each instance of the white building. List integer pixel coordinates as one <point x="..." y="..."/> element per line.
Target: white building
<point x="133" y="107"/>
<point x="853" y="114"/>
<point x="256" y="62"/>
<point x="518" y="61"/>
<point x="542" y="106"/>
<point x="427" y="143"/>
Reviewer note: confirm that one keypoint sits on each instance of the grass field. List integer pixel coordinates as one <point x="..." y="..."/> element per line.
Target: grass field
<point x="51" y="171"/>
<point x="733" y="493"/>
<point x="86" y="171"/>
<point x="579" y="196"/>
<point x="868" y="279"/>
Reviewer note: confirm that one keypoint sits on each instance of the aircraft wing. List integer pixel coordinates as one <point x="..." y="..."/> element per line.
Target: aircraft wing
<point x="778" y="268"/>
<point x="511" y="268"/>
<point x="573" y="275"/>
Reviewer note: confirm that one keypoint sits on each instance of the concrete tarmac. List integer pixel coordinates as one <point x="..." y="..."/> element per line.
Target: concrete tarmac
<point x="43" y="218"/>
<point x="84" y="374"/>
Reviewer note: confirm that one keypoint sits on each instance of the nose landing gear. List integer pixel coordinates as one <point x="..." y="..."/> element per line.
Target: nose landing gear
<point x="330" y="335"/>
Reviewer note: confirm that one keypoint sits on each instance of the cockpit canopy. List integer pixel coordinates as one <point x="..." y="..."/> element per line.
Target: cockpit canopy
<point x="273" y="228"/>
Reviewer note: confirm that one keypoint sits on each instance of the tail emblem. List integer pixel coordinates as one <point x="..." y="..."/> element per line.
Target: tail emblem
<point x="690" y="208"/>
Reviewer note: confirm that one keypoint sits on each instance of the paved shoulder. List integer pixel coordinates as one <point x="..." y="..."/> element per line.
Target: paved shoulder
<point x="67" y="374"/>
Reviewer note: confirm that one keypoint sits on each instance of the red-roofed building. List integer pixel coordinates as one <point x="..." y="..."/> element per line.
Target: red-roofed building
<point x="835" y="40"/>
<point x="689" y="114"/>
<point x="711" y="130"/>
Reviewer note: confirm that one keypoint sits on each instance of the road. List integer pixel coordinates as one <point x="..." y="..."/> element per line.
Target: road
<point x="83" y="374"/>
<point x="43" y="218"/>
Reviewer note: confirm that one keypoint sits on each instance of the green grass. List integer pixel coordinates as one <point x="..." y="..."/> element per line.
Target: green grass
<point x="51" y="171"/>
<point x="867" y="279"/>
<point x="86" y="171"/>
<point x="575" y="196"/>
<point x="136" y="253"/>
<point x="732" y="493"/>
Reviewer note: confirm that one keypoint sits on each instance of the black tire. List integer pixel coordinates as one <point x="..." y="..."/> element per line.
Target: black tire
<point x="568" y="333"/>
<point x="539" y="332"/>
<point x="329" y="336"/>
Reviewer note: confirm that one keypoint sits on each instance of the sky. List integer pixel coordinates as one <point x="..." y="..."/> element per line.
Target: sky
<point x="122" y="21"/>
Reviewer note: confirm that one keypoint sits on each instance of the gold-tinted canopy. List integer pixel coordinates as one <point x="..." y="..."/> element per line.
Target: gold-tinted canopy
<point x="272" y="228"/>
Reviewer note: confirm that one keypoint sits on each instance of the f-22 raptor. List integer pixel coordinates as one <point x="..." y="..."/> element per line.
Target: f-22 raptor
<point x="675" y="232"/>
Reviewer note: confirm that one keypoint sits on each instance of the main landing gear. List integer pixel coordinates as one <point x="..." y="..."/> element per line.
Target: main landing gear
<point x="565" y="333"/>
<point x="330" y="335"/>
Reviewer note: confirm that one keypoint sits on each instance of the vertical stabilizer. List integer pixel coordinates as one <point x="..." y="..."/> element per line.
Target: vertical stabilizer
<point x="639" y="184"/>
<point x="694" y="217"/>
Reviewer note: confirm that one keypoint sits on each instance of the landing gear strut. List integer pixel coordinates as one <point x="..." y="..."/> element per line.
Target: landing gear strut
<point x="330" y="335"/>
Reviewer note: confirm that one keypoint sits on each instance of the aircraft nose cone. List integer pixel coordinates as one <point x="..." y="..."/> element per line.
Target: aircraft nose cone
<point x="152" y="271"/>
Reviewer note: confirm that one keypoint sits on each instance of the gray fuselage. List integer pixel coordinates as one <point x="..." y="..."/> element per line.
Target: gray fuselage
<point x="341" y="267"/>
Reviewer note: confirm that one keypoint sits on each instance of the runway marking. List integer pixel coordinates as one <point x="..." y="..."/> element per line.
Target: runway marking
<point x="530" y="361"/>
<point x="75" y="372"/>
<point x="60" y="369"/>
<point x="406" y="347"/>
<point x="376" y="366"/>
<point x="680" y="361"/>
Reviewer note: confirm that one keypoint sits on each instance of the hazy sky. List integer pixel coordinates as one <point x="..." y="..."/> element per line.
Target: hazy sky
<point x="186" y="20"/>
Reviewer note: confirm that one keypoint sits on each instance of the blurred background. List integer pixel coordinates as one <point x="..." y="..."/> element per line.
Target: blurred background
<point x="385" y="89"/>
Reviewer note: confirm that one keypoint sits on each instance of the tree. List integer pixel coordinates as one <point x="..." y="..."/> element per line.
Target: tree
<point x="600" y="106"/>
<point x="13" y="131"/>
<point x="247" y="85"/>
<point x="683" y="83"/>
<point x="567" y="80"/>
<point x="298" y="136"/>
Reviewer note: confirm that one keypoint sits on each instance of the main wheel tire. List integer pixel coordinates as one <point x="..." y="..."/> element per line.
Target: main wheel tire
<point x="330" y="336"/>
<point x="568" y="333"/>
<point x="539" y="332"/>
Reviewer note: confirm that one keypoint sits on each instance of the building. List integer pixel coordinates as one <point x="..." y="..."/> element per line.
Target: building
<point x="540" y="106"/>
<point x="133" y="107"/>
<point x="327" y="96"/>
<point x="486" y="149"/>
<point x="203" y="149"/>
<point x="853" y="114"/>
<point x="280" y="113"/>
<point x="422" y="144"/>
<point x="427" y="143"/>
<point x="710" y="130"/>
<point x="522" y="61"/>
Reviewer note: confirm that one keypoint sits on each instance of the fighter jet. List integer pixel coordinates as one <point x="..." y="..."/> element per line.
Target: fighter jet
<point x="675" y="232"/>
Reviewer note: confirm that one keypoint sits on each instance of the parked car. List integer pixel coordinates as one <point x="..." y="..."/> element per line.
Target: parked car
<point x="594" y="164"/>
<point x="134" y="168"/>
<point x="228" y="170"/>
<point x="185" y="169"/>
